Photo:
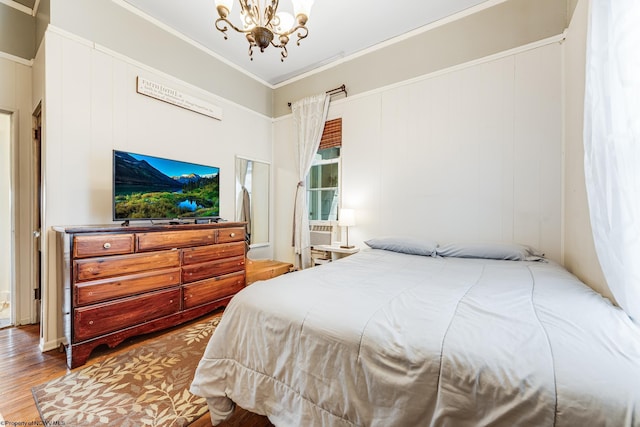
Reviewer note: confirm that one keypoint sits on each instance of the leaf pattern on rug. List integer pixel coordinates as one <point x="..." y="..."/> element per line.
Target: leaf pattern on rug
<point x="201" y="331"/>
<point x="145" y="386"/>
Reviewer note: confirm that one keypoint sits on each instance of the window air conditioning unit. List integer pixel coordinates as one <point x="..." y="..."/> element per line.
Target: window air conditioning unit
<point x="321" y="234"/>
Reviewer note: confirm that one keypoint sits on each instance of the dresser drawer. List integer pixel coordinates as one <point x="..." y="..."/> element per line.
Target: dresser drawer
<point x="119" y="265"/>
<point x="209" y="290"/>
<point x="194" y="272"/>
<point x="103" y="244"/>
<point x="119" y="287"/>
<point x="170" y="240"/>
<point x="212" y="252"/>
<point x="235" y="234"/>
<point x="100" y="319"/>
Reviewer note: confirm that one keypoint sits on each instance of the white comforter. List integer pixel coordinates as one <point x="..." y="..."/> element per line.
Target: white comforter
<point x="386" y="339"/>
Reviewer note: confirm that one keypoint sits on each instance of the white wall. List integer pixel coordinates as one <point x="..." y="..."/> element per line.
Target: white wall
<point x="470" y="153"/>
<point x="477" y="32"/>
<point x="123" y="28"/>
<point x="92" y="108"/>
<point x="580" y="253"/>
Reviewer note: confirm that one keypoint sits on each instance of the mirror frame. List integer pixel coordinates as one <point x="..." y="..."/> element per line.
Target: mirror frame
<point x="265" y="204"/>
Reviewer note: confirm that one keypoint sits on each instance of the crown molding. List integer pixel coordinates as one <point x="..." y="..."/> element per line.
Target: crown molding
<point x="27" y="62"/>
<point x="175" y="33"/>
<point x="560" y="38"/>
<point x="439" y="23"/>
<point x="151" y="70"/>
<point x="18" y="6"/>
<point x="340" y="60"/>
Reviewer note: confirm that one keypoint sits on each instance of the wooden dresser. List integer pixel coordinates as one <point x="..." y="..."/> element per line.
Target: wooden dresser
<point x="117" y="282"/>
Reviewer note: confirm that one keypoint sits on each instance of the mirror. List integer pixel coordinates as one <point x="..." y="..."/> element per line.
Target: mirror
<point x="252" y="198"/>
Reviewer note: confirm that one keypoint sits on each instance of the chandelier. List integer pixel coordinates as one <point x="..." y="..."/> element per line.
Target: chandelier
<point x="263" y="25"/>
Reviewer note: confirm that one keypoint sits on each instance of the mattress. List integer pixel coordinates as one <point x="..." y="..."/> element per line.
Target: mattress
<point x="388" y="339"/>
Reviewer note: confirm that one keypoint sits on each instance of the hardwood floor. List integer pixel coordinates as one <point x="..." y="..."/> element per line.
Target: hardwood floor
<point x="23" y="366"/>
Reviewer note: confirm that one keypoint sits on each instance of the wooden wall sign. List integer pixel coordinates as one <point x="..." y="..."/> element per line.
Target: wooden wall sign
<point x="177" y="98"/>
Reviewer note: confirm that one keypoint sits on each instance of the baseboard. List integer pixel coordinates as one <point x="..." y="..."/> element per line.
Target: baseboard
<point x="51" y="345"/>
<point x="25" y="321"/>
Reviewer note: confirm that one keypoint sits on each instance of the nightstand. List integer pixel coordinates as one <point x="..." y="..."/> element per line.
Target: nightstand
<point x="322" y="254"/>
<point x="264" y="269"/>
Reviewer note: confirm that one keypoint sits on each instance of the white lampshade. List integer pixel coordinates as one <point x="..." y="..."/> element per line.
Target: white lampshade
<point x="302" y="7"/>
<point x="346" y="218"/>
<point x="286" y="22"/>
<point x="226" y="3"/>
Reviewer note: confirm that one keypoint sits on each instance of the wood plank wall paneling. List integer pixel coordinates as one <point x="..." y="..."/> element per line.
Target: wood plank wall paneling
<point x="473" y="154"/>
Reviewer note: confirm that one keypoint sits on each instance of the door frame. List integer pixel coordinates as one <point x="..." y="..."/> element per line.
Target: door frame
<point x="13" y="159"/>
<point x="36" y="194"/>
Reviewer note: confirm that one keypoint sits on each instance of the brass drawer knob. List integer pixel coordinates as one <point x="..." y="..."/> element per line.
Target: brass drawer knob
<point x="107" y="245"/>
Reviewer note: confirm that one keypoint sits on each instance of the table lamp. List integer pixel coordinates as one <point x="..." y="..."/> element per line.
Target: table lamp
<point x="347" y="219"/>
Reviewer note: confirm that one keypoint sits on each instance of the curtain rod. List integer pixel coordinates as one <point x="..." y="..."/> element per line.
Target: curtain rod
<point x="331" y="92"/>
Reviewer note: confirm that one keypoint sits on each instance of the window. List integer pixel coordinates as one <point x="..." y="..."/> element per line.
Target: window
<point x="323" y="181"/>
<point x="323" y="185"/>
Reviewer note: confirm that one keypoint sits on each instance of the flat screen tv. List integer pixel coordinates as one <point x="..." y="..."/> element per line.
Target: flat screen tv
<point x="154" y="188"/>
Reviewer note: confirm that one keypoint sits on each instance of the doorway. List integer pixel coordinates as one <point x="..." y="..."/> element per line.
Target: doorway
<point x="7" y="291"/>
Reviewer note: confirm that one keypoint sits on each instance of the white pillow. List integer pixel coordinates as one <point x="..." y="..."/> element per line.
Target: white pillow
<point x="405" y="245"/>
<point x="488" y="250"/>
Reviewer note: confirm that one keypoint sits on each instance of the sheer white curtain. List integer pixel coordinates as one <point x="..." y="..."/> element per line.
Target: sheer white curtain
<point x="612" y="145"/>
<point x="309" y="116"/>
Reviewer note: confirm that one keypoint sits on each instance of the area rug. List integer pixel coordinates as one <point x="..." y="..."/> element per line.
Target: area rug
<point x="145" y="386"/>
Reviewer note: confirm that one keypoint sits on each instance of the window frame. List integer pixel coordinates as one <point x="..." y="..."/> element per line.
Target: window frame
<point x="337" y="188"/>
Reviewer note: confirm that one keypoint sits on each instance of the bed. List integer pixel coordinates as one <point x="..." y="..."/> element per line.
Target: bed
<point x="398" y="337"/>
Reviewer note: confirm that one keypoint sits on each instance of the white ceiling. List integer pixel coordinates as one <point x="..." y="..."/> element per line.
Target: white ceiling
<point x="337" y="29"/>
